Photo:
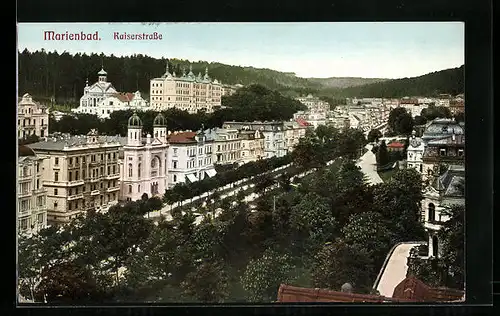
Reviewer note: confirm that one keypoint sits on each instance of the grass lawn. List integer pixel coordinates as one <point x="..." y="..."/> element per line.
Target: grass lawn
<point x="386" y="175"/>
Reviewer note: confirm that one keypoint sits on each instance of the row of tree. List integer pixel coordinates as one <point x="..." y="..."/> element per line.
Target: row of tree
<point x="251" y="103"/>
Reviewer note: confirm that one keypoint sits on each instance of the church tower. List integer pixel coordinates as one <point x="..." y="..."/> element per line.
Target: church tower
<point x="134" y="131"/>
<point x="160" y="128"/>
<point x="102" y="75"/>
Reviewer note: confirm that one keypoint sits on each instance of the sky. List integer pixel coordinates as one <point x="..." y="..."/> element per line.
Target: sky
<point x="321" y="50"/>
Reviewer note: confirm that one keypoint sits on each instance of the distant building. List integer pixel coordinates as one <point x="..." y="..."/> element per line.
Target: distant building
<point x="188" y="92"/>
<point x="32" y="118"/>
<point x="395" y="146"/>
<point x="80" y="173"/>
<point x="294" y="131"/>
<point x="274" y="134"/>
<point x="457" y="106"/>
<point x="190" y="157"/>
<point x="31" y="195"/>
<point x="144" y="168"/>
<point x="102" y="99"/>
<point x="441" y="127"/>
<point x="227" y="145"/>
<point x="413" y="106"/>
<point x="314" y="104"/>
<point x="448" y="151"/>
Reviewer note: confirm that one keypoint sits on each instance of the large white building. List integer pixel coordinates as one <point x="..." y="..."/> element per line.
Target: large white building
<point x="144" y="168"/>
<point x="31" y="195"/>
<point x="32" y="118"/>
<point x="314" y="103"/>
<point x="188" y="92"/>
<point x="415" y="152"/>
<point x="80" y="173"/>
<point x="274" y="135"/>
<point x="102" y="99"/>
<point x="315" y="118"/>
<point x="190" y="157"/>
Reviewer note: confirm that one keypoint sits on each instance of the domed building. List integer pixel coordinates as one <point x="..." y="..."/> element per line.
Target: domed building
<point x="144" y="165"/>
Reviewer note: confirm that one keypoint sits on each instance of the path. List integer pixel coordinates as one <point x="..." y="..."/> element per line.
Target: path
<point x="395" y="270"/>
<point x="368" y="164"/>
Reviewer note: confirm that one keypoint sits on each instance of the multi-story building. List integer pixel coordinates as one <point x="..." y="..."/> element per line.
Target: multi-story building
<point x="32" y="118"/>
<point x="80" y="173"/>
<point x="315" y="118"/>
<point x="190" y="157"/>
<point x="314" y="103"/>
<point x="252" y="145"/>
<point x="189" y="92"/>
<point x="445" y="191"/>
<point x="274" y="145"/>
<point x="442" y="152"/>
<point x="102" y="99"/>
<point x="294" y="131"/>
<point x="439" y="128"/>
<point x="228" y="89"/>
<point x="415" y="151"/>
<point x="413" y="106"/>
<point x="144" y="165"/>
<point x="227" y="145"/>
<point x="31" y="195"/>
<point x="457" y="106"/>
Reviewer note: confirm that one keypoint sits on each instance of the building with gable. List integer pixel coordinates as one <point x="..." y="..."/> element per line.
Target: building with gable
<point x="144" y="167"/>
<point x="102" y="99"/>
<point x="190" y="157"/>
<point x="188" y="92"/>
<point x="32" y="118"/>
<point x="252" y="145"/>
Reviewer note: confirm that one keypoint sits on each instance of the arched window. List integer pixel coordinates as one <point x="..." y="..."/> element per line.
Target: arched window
<point x="155" y="166"/>
<point x="130" y="170"/>
<point x="435" y="244"/>
<point x="139" y="170"/>
<point x="129" y="189"/>
<point x="432" y="212"/>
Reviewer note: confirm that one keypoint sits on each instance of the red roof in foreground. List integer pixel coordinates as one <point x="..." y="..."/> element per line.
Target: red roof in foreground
<point x="183" y="137"/>
<point x="396" y="145"/>
<point x="409" y="290"/>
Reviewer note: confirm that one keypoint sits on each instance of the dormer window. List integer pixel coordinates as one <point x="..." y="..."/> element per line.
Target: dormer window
<point x="460" y="152"/>
<point x="442" y="152"/>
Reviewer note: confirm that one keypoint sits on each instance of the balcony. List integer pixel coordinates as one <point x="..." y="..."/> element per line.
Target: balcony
<point x="75" y="197"/>
<point x="22" y="194"/>
<point x="75" y="183"/>
<point x="29" y="126"/>
<point x="96" y="179"/>
<point x="432" y="225"/>
<point x="94" y="163"/>
<point x="57" y="167"/>
<point x="44" y="126"/>
<point x="25" y="177"/>
<point x="95" y="192"/>
<point x="112" y="189"/>
<point x="112" y="176"/>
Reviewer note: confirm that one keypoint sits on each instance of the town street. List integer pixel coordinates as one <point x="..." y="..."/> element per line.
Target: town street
<point x="368" y="165"/>
<point x="395" y="270"/>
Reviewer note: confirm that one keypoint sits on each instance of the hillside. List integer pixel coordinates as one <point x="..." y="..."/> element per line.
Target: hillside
<point x="345" y="82"/>
<point x="449" y="81"/>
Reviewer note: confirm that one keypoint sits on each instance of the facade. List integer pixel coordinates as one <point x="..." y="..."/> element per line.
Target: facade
<point x="457" y="106"/>
<point x="252" y="145"/>
<point x="228" y="90"/>
<point x="32" y="118"/>
<point x="448" y="151"/>
<point x="102" y="99"/>
<point x="395" y="146"/>
<point x="315" y="118"/>
<point x="190" y="156"/>
<point x="444" y="191"/>
<point x="227" y="145"/>
<point x="274" y="135"/>
<point x="80" y="173"/>
<point x="188" y="92"/>
<point x="31" y="195"/>
<point x="414" y="153"/>
<point x="413" y="106"/>
<point x="314" y="104"/>
<point x="144" y="168"/>
<point x="294" y="131"/>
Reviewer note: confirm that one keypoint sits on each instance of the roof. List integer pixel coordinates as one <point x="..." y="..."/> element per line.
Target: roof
<point x="408" y="101"/>
<point x="456" y="140"/>
<point x="302" y="122"/>
<point x="59" y="142"/>
<point x="396" y="145"/>
<point x="450" y="181"/>
<point x="409" y="290"/>
<point x="24" y="151"/>
<point x="442" y="127"/>
<point x="182" y="138"/>
<point x="124" y="97"/>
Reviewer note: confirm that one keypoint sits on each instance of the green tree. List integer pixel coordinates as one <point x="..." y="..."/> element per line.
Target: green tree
<point x="374" y="135"/>
<point x="338" y="262"/>
<point x="263" y="276"/>
<point x="208" y="283"/>
<point x="382" y="155"/>
<point x="400" y="121"/>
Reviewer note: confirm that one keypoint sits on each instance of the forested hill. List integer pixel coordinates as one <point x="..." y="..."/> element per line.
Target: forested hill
<point x="62" y="75"/>
<point x="449" y="81"/>
<point x="345" y="82"/>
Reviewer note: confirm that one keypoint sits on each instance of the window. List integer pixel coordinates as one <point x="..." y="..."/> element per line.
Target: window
<point x="76" y="159"/>
<point x="175" y="178"/>
<point x="114" y="169"/>
<point x="432" y="212"/>
<point x="70" y="174"/>
<point x="129" y="189"/>
<point x="55" y="192"/>
<point x="70" y="161"/>
<point x="130" y="170"/>
<point x="37" y="184"/>
<point x="56" y="176"/>
<point x="76" y="175"/>
<point x="109" y="156"/>
<point x="40" y="218"/>
<point x="460" y="152"/>
<point x="139" y="170"/>
<point x="37" y="167"/>
<point x="102" y="185"/>
<point x="56" y="161"/>
<point x="442" y="152"/>
<point x="109" y="169"/>
<point x="114" y="155"/>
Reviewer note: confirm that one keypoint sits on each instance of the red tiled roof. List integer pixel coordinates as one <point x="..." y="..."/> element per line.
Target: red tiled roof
<point x="303" y="122"/>
<point x="396" y="145"/>
<point x="125" y="97"/>
<point x="183" y="137"/>
<point x="409" y="290"/>
<point x="408" y="101"/>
